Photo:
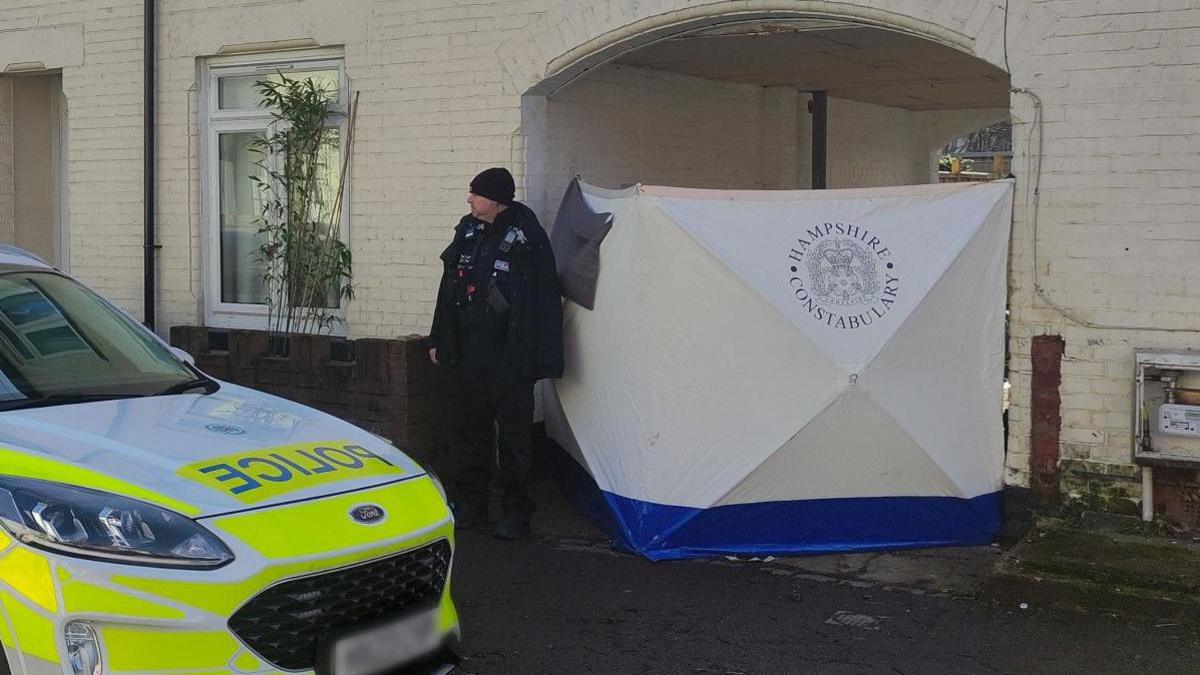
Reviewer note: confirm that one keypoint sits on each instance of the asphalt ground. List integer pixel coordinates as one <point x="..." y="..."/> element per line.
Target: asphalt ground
<point x="563" y="604"/>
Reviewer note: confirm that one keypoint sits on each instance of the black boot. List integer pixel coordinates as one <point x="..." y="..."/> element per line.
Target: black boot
<point x="468" y="514"/>
<point x="512" y="527"/>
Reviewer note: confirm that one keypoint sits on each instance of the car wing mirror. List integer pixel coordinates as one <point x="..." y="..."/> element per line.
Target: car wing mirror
<point x="183" y="356"/>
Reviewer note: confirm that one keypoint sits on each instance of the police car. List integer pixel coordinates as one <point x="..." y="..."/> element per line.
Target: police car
<point x="155" y="520"/>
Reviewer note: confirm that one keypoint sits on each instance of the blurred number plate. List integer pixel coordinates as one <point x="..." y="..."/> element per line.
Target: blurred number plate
<point x="386" y="646"/>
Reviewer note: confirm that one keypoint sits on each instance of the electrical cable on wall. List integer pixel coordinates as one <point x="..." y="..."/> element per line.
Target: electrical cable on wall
<point x="1036" y="160"/>
<point x="1007" y="69"/>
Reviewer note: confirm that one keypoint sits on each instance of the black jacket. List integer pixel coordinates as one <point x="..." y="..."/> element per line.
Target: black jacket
<point x="534" y="350"/>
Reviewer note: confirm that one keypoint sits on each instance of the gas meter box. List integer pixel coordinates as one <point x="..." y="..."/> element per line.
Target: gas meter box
<point x="1166" y="429"/>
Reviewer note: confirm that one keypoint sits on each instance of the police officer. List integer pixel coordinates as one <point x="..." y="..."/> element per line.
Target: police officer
<point x="498" y="326"/>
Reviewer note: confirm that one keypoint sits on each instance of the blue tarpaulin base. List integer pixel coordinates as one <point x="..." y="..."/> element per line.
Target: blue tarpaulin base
<point x="804" y="527"/>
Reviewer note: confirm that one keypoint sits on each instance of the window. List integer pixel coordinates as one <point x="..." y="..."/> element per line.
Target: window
<point x="233" y="120"/>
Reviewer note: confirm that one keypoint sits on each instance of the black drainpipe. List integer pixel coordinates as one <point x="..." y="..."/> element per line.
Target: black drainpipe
<point x="148" y="245"/>
<point x="820" y="131"/>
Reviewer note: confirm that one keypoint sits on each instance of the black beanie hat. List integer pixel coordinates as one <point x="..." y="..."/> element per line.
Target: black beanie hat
<point x="496" y="184"/>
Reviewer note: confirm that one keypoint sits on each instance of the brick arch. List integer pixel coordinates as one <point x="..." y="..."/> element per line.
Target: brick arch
<point x="577" y="37"/>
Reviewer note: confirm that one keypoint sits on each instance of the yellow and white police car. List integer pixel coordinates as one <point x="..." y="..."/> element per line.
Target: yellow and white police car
<point x="155" y="520"/>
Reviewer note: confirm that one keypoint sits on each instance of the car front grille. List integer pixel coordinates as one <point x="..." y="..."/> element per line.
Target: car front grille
<point x="285" y="623"/>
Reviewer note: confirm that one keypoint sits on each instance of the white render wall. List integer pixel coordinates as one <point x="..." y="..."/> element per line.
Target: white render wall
<point x="442" y="85"/>
<point x="35" y="127"/>
<point x="7" y="179"/>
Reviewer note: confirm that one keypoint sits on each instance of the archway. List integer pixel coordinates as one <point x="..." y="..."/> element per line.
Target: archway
<point x="726" y="101"/>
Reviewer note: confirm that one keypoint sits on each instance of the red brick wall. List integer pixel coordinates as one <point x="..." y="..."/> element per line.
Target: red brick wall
<point x="1046" y="414"/>
<point x="389" y="387"/>
<point x="1177" y="496"/>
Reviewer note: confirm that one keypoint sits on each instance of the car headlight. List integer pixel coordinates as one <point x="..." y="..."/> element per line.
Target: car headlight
<point x="98" y="525"/>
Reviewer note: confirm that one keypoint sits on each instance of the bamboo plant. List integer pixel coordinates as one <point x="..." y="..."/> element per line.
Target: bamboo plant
<point x="307" y="268"/>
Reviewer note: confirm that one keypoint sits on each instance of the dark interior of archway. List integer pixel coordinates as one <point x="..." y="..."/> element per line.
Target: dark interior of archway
<point x="865" y="64"/>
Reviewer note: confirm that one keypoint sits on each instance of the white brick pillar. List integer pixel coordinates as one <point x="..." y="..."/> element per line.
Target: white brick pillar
<point x="535" y="180"/>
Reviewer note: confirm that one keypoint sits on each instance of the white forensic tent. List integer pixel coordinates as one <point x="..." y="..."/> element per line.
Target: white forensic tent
<point x="791" y="371"/>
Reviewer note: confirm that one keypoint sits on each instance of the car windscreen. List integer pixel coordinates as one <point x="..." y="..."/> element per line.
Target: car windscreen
<point x="59" y="342"/>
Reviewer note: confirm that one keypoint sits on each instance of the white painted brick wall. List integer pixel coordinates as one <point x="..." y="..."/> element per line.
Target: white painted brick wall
<point x="628" y="125"/>
<point x="871" y="145"/>
<point x="434" y="111"/>
<point x="104" y="102"/>
<point x="441" y="81"/>
<point x="623" y="125"/>
<point x="1117" y="232"/>
<point x="432" y="114"/>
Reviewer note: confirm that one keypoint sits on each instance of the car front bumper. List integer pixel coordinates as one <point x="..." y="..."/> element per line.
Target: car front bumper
<point x="301" y="573"/>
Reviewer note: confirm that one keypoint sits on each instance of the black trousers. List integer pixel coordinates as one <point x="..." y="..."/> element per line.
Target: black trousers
<point x="488" y="403"/>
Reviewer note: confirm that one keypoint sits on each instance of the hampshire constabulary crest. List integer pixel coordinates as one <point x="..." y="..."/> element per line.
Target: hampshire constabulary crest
<point x="843" y="272"/>
<point x="843" y="275"/>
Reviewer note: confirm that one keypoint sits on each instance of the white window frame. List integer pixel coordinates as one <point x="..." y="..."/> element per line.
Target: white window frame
<point x="59" y="154"/>
<point x="213" y="123"/>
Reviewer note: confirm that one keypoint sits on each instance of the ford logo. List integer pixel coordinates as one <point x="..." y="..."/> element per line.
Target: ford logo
<point x="367" y="514"/>
<point x="228" y="429"/>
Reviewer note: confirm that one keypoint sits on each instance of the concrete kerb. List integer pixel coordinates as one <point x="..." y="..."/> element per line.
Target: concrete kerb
<point x="1064" y="567"/>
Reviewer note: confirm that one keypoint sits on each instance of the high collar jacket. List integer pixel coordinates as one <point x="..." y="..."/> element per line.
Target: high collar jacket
<point x="530" y="285"/>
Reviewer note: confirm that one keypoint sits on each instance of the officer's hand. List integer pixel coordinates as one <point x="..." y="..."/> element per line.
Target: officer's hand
<point x="433" y="355"/>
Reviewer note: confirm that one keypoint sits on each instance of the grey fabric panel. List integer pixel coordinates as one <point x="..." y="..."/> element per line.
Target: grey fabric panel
<point x="576" y="238"/>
